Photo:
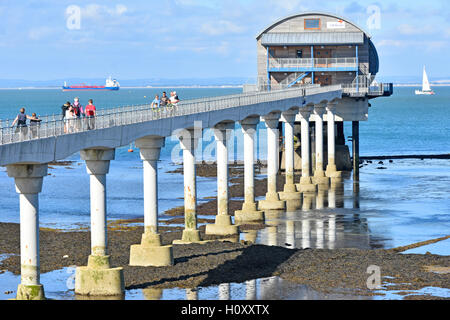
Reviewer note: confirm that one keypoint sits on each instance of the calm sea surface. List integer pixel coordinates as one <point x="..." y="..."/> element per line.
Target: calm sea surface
<point x="406" y="203"/>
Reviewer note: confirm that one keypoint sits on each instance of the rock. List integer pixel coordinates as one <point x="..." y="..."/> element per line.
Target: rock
<point x="381" y="162"/>
<point x="381" y="168"/>
<point x="391" y="161"/>
<point x="65" y="256"/>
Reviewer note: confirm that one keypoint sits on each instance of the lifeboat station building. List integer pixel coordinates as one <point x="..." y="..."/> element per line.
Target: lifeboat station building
<point x="322" y="49"/>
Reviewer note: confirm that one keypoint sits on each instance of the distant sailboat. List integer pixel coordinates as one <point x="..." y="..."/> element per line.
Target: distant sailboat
<point x="426" y="89"/>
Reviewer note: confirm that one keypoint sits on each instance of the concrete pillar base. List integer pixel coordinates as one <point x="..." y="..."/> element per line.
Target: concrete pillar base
<point x="320" y="178"/>
<point x="189" y="236"/>
<point x="294" y="205"/>
<point x="248" y="216"/>
<point x="306" y="185"/>
<point x="290" y="195"/>
<point x="272" y="202"/>
<point x="156" y="256"/>
<point x="332" y="172"/>
<point x="99" y="279"/>
<point x="30" y="292"/>
<point x="222" y="227"/>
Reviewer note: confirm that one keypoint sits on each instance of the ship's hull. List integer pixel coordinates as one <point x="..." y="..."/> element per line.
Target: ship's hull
<point x="88" y="88"/>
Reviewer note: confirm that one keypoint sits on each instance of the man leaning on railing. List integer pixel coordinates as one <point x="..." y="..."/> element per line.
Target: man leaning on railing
<point x="90" y="112"/>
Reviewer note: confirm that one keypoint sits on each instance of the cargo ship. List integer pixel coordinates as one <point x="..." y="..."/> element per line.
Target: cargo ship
<point x="110" y="85"/>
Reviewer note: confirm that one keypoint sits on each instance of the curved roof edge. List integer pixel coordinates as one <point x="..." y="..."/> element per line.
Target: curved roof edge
<point x="311" y="13"/>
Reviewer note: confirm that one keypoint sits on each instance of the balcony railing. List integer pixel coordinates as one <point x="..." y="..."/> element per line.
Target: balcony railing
<point x="304" y="63"/>
<point x="374" y="90"/>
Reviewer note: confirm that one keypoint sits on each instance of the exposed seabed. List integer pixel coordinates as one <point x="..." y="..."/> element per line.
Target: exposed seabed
<point x="403" y="204"/>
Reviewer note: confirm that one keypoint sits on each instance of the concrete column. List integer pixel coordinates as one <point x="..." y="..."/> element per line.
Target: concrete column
<point x="223" y="224"/>
<point x="290" y="190"/>
<point x="306" y="185"/>
<point x="331" y="171"/>
<point x="189" y="142"/>
<point x="28" y="179"/>
<point x="355" y="150"/>
<point x="272" y="201"/>
<point x="319" y="174"/>
<point x="98" y="278"/>
<point x="249" y="210"/>
<point x="150" y="252"/>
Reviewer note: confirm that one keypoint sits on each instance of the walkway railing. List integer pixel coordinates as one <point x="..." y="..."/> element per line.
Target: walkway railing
<point x="53" y="125"/>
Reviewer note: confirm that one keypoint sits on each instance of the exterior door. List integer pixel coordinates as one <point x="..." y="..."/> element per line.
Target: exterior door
<point x="323" y="80"/>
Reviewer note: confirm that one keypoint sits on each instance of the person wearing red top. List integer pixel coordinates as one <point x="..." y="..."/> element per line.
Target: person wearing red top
<point x="90" y="112"/>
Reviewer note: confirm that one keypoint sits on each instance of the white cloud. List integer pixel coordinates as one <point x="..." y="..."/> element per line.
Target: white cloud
<point x="220" y="27"/>
<point x="95" y="11"/>
<point x="407" y="29"/>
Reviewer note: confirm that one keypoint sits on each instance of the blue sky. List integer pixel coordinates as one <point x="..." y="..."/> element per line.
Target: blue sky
<point x="138" y="39"/>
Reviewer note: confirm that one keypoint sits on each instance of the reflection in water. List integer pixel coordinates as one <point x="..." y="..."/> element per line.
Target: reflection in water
<point x="318" y="221"/>
<point x="250" y="289"/>
<point x="191" y="294"/>
<point x="152" y="294"/>
<point x="320" y="199"/>
<point x="319" y="233"/>
<point x="356" y="195"/>
<point x="331" y="231"/>
<point x="224" y="291"/>
<point x="306" y="234"/>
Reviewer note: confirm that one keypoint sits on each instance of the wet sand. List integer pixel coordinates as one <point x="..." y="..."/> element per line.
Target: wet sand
<point x="219" y="262"/>
<point x="223" y="262"/>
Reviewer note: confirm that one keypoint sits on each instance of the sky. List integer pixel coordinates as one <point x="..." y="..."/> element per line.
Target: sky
<point x="141" y="39"/>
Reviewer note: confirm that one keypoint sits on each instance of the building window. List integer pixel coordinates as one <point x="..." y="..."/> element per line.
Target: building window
<point x="299" y="54"/>
<point x="312" y="24"/>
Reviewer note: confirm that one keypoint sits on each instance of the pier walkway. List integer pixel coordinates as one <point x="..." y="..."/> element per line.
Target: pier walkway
<point x="26" y="157"/>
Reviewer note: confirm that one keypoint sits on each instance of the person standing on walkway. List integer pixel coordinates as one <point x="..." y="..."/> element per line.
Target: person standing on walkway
<point x="21" y="121"/>
<point x="78" y="110"/>
<point x="64" y="109"/>
<point x="164" y="100"/>
<point x="34" y="125"/>
<point x="90" y="112"/>
<point x="155" y="103"/>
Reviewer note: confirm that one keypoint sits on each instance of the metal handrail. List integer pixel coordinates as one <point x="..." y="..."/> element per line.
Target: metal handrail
<point x="53" y="125"/>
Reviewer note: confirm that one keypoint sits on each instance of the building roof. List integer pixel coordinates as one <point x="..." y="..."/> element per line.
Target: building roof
<point x="309" y="38"/>
<point x="308" y="14"/>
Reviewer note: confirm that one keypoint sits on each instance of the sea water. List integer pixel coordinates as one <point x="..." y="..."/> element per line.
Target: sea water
<point x="407" y="202"/>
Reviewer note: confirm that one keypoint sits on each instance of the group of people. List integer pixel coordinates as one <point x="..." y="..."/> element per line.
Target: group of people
<point x="165" y="101"/>
<point x="72" y="115"/>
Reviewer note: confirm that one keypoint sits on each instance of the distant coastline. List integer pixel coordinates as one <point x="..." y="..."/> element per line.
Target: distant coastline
<point x="135" y="87"/>
<point x="410" y="85"/>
